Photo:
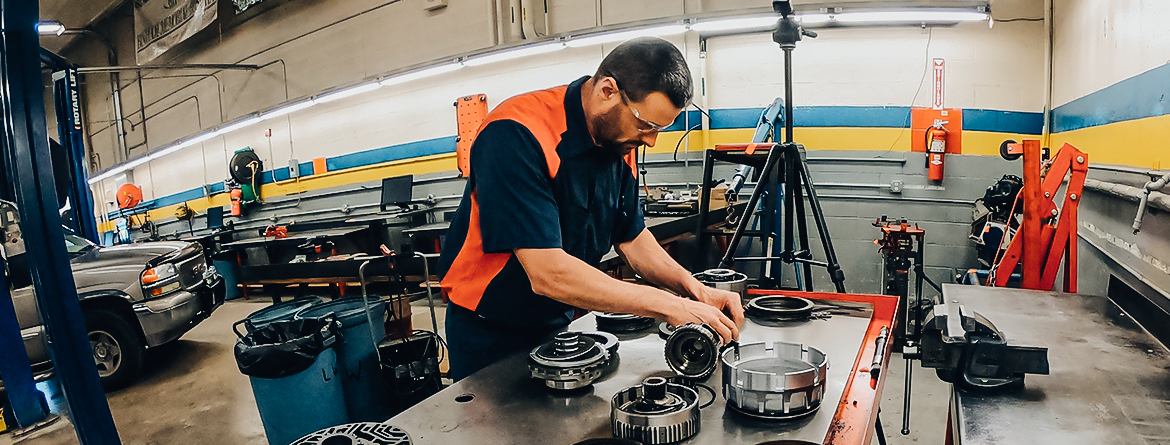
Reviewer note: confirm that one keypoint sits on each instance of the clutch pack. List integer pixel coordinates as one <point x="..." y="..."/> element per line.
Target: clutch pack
<point x="371" y="433"/>
<point x="725" y="279"/>
<point x="655" y="412"/>
<point x="692" y="350"/>
<point x="571" y="360"/>
<point x="621" y="323"/>
<point x="778" y="380"/>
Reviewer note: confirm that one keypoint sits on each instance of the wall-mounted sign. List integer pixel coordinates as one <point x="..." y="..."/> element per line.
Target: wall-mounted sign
<point x="159" y="25"/>
<point x="939" y="84"/>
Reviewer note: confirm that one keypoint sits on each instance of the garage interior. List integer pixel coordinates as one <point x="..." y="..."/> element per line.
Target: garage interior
<point x="255" y="196"/>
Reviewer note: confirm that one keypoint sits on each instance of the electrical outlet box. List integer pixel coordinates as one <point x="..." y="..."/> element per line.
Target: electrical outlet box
<point x="896" y="186"/>
<point x="431" y="5"/>
<point x="294" y="169"/>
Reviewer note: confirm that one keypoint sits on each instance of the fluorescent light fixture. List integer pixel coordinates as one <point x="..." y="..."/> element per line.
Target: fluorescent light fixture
<point x="168" y="150"/>
<point x="621" y="36"/>
<point x="739" y="24"/>
<point x="348" y="92"/>
<point x="236" y="126"/>
<point x="814" y="19"/>
<point x="910" y="16"/>
<point x="288" y="109"/>
<point x="524" y="51"/>
<point x="415" y="75"/>
<point x="50" y="28"/>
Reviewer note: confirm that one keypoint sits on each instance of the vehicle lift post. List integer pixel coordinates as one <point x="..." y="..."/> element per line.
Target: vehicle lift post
<point x="24" y="149"/>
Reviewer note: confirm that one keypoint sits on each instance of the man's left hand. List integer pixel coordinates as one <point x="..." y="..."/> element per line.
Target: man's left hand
<point x="726" y="301"/>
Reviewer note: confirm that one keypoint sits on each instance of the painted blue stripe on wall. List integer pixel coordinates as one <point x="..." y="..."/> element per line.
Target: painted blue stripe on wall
<point x="1003" y="121"/>
<point x="392" y="153"/>
<point x="726" y="118"/>
<point x="1138" y="97"/>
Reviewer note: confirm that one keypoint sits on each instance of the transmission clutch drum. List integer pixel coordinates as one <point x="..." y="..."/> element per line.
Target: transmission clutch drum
<point x="725" y="279"/>
<point x="692" y="350"/>
<point x="571" y="360"/>
<point x="655" y="412"/>
<point x="776" y="380"/>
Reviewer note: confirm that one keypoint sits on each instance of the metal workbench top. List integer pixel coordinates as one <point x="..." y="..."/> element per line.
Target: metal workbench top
<point x="1109" y="379"/>
<point x="509" y="407"/>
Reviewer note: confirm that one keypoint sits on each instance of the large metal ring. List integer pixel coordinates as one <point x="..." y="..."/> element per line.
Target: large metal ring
<point x="779" y="308"/>
<point x="777" y="380"/>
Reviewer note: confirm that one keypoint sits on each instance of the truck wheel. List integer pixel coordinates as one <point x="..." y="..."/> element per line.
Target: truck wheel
<point x="117" y="351"/>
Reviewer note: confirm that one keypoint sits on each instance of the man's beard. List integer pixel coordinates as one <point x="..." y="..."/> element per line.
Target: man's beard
<point x="608" y="136"/>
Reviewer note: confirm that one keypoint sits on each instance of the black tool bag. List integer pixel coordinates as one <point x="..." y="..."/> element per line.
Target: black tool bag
<point x="284" y="348"/>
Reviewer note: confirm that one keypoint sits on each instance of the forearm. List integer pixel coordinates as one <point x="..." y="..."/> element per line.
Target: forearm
<point x="648" y="259"/>
<point x="558" y="275"/>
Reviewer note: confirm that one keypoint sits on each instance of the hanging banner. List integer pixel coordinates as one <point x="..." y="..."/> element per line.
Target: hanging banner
<point x="159" y="25"/>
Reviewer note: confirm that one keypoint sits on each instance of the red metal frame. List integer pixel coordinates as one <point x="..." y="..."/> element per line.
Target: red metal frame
<point x="856" y="414"/>
<point x="1041" y="245"/>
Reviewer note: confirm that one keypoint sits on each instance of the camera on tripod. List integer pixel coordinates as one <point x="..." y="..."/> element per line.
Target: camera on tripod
<point x="789" y="31"/>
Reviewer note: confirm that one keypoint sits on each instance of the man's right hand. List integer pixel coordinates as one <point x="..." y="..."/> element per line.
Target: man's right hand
<point x="690" y="311"/>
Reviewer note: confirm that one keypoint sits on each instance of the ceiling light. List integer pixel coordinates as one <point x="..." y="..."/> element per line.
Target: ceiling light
<point x="342" y="94"/>
<point x="910" y="16"/>
<point x="622" y="36"/>
<point x="236" y="126"/>
<point x="287" y="109"/>
<point x="746" y="23"/>
<point x="813" y="19"/>
<point x="524" y="51"/>
<point x="50" y="27"/>
<point x="415" y="75"/>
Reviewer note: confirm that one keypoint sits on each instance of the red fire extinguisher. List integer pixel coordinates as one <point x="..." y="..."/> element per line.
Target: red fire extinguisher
<point x="237" y="196"/>
<point x="936" y="143"/>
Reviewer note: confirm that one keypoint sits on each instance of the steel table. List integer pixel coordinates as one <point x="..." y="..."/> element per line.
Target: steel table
<point x="501" y="404"/>
<point x="1109" y="379"/>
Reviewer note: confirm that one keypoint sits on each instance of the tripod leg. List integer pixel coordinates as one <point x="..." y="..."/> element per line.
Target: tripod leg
<point x="704" y="208"/>
<point x="835" y="272"/>
<point x="773" y="156"/>
<point x="801" y="218"/>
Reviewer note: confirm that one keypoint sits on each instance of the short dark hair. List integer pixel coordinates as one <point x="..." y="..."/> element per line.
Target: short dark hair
<point x="649" y="64"/>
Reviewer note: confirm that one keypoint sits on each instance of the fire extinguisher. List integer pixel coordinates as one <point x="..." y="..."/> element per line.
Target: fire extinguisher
<point x="936" y="143"/>
<point x="237" y="196"/>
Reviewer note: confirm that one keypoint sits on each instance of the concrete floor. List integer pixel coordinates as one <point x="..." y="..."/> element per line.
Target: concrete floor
<point x="191" y="392"/>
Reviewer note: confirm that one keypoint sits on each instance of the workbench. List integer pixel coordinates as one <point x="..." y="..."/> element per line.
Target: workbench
<point x="502" y="404"/>
<point x="1109" y="380"/>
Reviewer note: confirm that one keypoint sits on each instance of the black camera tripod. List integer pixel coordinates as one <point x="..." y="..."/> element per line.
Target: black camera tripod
<point x="784" y="162"/>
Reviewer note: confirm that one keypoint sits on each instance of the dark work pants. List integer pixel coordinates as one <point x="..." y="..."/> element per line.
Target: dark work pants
<point x="474" y="343"/>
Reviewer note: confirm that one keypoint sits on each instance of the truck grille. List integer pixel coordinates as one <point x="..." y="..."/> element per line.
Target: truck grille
<point x="191" y="270"/>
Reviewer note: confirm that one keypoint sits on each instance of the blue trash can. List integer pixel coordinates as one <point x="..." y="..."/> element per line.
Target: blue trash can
<point x="280" y="311"/>
<point x="366" y="395"/>
<point x="228" y="270"/>
<point x="292" y="366"/>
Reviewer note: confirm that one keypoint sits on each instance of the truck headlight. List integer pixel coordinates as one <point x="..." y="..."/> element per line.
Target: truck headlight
<point x="160" y="280"/>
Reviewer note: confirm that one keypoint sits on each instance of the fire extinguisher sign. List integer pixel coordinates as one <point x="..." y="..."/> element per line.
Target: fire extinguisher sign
<point x="939" y="83"/>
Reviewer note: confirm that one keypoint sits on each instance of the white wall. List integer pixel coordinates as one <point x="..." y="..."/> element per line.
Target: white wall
<point x="1099" y="43"/>
<point x="313" y="46"/>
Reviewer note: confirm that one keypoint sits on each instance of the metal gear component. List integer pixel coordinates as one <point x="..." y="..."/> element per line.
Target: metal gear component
<point x="621" y="323"/>
<point x="655" y="412"/>
<point x="692" y="351"/>
<point x="778" y="380"/>
<point x="725" y="279"/>
<point x="570" y="361"/>
<point x="779" y="308"/>
<point x="664" y="330"/>
<point x="607" y="341"/>
<point x="365" y="433"/>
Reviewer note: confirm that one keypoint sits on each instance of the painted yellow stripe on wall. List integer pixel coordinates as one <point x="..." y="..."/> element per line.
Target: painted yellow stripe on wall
<point x="1142" y="143"/>
<point x="813" y="138"/>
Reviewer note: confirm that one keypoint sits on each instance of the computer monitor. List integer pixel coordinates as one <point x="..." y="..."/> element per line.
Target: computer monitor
<point x="396" y="191"/>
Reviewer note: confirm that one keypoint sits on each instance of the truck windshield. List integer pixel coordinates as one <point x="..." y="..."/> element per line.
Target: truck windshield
<point x="76" y="245"/>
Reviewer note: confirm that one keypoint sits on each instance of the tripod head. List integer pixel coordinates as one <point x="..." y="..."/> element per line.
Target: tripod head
<point x="789" y="31"/>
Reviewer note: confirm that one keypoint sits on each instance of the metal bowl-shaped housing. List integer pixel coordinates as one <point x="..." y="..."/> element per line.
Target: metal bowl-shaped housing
<point x="774" y="380"/>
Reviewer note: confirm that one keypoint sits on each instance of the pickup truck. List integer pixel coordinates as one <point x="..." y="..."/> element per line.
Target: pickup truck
<point x="133" y="297"/>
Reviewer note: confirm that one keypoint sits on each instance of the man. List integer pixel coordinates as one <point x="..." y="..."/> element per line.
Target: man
<point x="552" y="188"/>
